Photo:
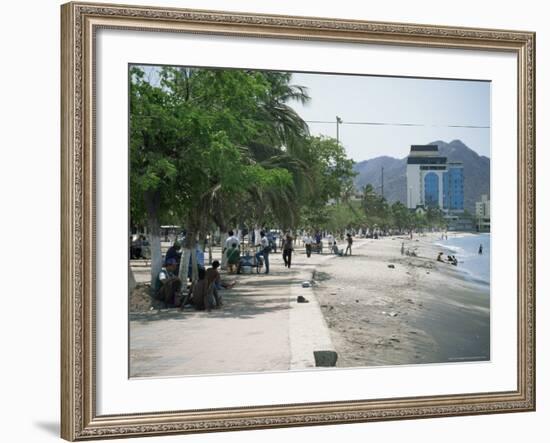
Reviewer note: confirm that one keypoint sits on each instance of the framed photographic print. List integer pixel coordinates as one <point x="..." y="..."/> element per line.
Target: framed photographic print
<point x="277" y="221"/>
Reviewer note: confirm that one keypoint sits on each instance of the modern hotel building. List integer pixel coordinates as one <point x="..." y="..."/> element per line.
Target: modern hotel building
<point x="432" y="182"/>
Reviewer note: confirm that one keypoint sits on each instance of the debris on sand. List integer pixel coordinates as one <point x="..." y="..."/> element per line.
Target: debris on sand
<point x="140" y="299"/>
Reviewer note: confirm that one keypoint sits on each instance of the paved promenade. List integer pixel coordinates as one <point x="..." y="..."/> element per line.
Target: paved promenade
<point x="261" y="327"/>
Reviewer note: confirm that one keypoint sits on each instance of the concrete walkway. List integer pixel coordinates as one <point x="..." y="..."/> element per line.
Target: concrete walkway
<point x="261" y="327"/>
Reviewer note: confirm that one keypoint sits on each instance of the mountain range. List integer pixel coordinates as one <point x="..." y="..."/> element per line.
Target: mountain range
<point x="476" y="173"/>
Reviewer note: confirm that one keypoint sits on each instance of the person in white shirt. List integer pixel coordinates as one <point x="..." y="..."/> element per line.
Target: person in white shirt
<point x="232" y="238"/>
<point x="308" y="241"/>
<point x="330" y="240"/>
<point x="264" y="250"/>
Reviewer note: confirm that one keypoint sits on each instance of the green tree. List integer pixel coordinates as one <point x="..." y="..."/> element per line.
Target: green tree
<point x="154" y="144"/>
<point x="401" y="216"/>
<point x="195" y="137"/>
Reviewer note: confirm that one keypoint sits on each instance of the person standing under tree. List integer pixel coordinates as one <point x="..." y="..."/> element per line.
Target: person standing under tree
<point x="480" y="250"/>
<point x="228" y="242"/>
<point x="287" y="250"/>
<point x="264" y="250"/>
<point x="308" y="242"/>
<point x="350" y="242"/>
<point x="233" y="256"/>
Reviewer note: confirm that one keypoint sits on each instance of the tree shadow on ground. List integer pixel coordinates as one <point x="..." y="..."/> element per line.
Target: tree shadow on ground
<point x="235" y="306"/>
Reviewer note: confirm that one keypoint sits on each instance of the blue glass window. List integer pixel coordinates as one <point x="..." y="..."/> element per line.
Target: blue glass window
<point x="453" y="189"/>
<point x="431" y="190"/>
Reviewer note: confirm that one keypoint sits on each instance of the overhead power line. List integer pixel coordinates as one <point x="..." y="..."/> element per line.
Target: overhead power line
<point x="342" y="122"/>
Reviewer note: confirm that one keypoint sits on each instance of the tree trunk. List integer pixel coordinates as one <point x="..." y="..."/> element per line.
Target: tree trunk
<point x="189" y="249"/>
<point x="131" y="280"/>
<point x="194" y="270"/>
<point x="210" y="248"/>
<point x="184" y="264"/>
<point x="223" y="238"/>
<point x="152" y="204"/>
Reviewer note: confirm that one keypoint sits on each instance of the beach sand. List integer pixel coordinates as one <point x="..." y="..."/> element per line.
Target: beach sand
<point x="419" y="311"/>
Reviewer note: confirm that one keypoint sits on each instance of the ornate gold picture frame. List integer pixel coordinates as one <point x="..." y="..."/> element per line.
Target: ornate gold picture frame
<point x="80" y="23"/>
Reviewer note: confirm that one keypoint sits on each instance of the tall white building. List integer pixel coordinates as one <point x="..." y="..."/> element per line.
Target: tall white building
<point x="432" y="181"/>
<point x="483" y="213"/>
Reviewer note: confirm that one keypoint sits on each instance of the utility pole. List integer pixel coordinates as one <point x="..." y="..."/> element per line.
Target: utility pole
<point x="338" y="121"/>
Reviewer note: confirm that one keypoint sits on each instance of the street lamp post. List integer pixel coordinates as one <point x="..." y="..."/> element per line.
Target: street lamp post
<point x="338" y="121"/>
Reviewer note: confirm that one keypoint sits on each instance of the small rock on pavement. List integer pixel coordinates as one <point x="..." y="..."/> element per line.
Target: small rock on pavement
<point x="325" y="358"/>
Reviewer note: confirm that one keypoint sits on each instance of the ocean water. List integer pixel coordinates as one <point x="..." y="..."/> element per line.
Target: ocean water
<point x="465" y="248"/>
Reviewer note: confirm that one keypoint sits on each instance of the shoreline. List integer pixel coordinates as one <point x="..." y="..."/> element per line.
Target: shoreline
<point x="466" y="268"/>
<point x="418" y="311"/>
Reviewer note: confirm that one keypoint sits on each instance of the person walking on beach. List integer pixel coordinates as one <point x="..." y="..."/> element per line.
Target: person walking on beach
<point x="403" y="248"/>
<point x="308" y="241"/>
<point x="350" y="242"/>
<point x="287" y="250"/>
<point x="480" y="250"/>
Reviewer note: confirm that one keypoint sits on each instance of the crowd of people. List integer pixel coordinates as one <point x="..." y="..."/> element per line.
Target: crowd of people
<point x="203" y="293"/>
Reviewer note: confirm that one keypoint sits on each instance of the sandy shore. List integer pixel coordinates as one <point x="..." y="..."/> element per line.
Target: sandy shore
<point x="418" y="311"/>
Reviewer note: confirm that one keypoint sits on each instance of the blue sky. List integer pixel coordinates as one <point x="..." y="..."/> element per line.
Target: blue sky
<point x="434" y="104"/>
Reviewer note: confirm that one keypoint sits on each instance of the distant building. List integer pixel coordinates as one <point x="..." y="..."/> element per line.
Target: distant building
<point x="483" y="214"/>
<point x="459" y="222"/>
<point x="432" y="182"/>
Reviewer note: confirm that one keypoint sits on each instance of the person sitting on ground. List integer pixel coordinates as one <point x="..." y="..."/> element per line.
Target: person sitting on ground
<point x="233" y="256"/>
<point x="454" y="261"/>
<point x="336" y="250"/>
<point x="439" y="257"/>
<point x="167" y="287"/>
<point x="214" y="279"/>
<point x="350" y="242"/>
<point x="198" y="292"/>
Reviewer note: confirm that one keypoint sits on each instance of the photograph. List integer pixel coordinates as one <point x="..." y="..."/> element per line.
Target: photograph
<point x="304" y="221"/>
<point x="272" y="219"/>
